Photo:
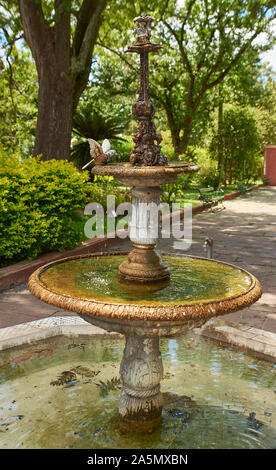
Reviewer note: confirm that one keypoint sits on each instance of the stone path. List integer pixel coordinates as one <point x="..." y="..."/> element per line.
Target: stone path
<point x="244" y="234"/>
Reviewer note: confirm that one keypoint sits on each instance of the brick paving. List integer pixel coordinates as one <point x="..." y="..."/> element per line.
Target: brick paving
<point x="244" y="234"/>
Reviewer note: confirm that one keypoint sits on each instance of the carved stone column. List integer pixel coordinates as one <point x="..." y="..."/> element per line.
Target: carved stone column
<point x="141" y="371"/>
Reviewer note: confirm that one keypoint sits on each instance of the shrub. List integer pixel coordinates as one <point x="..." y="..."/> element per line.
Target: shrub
<point x="106" y="185"/>
<point x="166" y="146"/>
<point x="207" y="175"/>
<point x="239" y="144"/>
<point x="38" y="203"/>
<point x="123" y="149"/>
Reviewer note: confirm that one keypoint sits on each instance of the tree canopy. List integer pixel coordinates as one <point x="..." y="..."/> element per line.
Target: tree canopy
<point x="210" y="57"/>
<point x="205" y="42"/>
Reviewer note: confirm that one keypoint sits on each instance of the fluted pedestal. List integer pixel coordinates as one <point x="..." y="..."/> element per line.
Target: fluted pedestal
<point x="144" y="263"/>
<point x="140" y="402"/>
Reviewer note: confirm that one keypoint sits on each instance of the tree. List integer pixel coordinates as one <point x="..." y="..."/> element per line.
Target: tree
<point x="62" y="45"/>
<point x="104" y="110"/>
<point x="18" y="105"/>
<point x="204" y="41"/>
<point x="18" y="85"/>
<point x="98" y="124"/>
<point x="265" y="114"/>
<point x="212" y="37"/>
<point x="240" y="145"/>
<point x="242" y="86"/>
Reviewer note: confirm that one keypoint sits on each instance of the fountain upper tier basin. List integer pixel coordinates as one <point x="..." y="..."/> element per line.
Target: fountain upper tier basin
<point x="144" y="176"/>
<point x="198" y="290"/>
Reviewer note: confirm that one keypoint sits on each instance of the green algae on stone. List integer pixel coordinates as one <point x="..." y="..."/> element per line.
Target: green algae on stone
<point x="193" y="280"/>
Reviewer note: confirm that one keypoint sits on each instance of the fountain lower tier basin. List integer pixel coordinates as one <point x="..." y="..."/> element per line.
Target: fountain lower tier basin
<point x="198" y="290"/>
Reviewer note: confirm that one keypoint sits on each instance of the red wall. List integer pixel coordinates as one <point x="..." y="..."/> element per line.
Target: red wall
<point x="270" y="164"/>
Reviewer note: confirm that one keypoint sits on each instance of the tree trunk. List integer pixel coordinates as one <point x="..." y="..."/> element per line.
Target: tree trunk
<point x="230" y="171"/>
<point x="225" y="171"/>
<point x="55" y="111"/>
<point x="176" y="142"/>
<point x="220" y="148"/>
<point x="187" y="131"/>
<point x="63" y="67"/>
<point x="220" y="154"/>
<point x="175" y="132"/>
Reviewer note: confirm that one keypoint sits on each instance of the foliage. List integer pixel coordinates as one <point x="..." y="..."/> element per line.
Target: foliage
<point x="38" y="206"/>
<point x="61" y="36"/>
<point x="123" y="149"/>
<point x="104" y="186"/>
<point x="18" y="105"/>
<point x="240" y="145"/>
<point x="96" y="123"/>
<point x="204" y="42"/>
<point x="265" y="113"/>
<point x="207" y="174"/>
<point x="104" y="110"/>
<point x="166" y="145"/>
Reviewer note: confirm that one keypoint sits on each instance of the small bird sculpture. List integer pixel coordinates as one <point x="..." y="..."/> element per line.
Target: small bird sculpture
<point x="101" y="154"/>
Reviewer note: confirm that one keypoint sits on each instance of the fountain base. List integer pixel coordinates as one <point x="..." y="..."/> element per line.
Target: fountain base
<point x="144" y="264"/>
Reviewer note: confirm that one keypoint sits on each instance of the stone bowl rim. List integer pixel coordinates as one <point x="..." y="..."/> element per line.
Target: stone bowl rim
<point x="127" y="169"/>
<point x="176" y="313"/>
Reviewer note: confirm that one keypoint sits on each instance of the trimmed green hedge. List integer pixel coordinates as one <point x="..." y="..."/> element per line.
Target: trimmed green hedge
<point x="38" y="203"/>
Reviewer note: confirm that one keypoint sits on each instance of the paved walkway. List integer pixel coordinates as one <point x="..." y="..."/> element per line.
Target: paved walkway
<point x="244" y="234"/>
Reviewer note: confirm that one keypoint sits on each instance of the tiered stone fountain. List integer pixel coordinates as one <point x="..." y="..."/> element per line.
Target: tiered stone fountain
<point x="143" y="296"/>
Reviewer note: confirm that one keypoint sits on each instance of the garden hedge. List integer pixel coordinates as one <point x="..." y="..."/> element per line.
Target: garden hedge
<point x="38" y="203"/>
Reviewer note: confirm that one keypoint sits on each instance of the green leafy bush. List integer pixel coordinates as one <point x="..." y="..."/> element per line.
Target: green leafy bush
<point x="123" y="149"/>
<point x="207" y="175"/>
<point x="38" y="207"/>
<point x="241" y="158"/>
<point x="104" y="186"/>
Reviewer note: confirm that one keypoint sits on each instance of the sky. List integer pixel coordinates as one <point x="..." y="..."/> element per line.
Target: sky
<point x="270" y="56"/>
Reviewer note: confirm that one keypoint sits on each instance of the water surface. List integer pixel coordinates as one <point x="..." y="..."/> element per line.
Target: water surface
<point x="63" y="393"/>
<point x="192" y="280"/>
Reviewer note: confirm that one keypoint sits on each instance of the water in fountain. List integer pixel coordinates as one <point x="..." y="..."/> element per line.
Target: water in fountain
<point x="213" y="397"/>
<point x="192" y="281"/>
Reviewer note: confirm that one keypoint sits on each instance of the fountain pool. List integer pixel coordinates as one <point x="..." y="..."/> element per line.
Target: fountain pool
<point x="214" y="397"/>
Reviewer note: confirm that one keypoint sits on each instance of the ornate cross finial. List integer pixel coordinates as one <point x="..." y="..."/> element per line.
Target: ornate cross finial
<point x="147" y="150"/>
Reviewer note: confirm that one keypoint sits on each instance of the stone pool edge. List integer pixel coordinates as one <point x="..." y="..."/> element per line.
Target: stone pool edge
<point x="242" y="337"/>
<point x="39" y="330"/>
<point x="260" y="343"/>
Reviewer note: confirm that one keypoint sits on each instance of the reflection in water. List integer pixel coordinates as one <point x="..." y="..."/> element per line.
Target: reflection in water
<point x="63" y="393"/>
<point x="172" y="349"/>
